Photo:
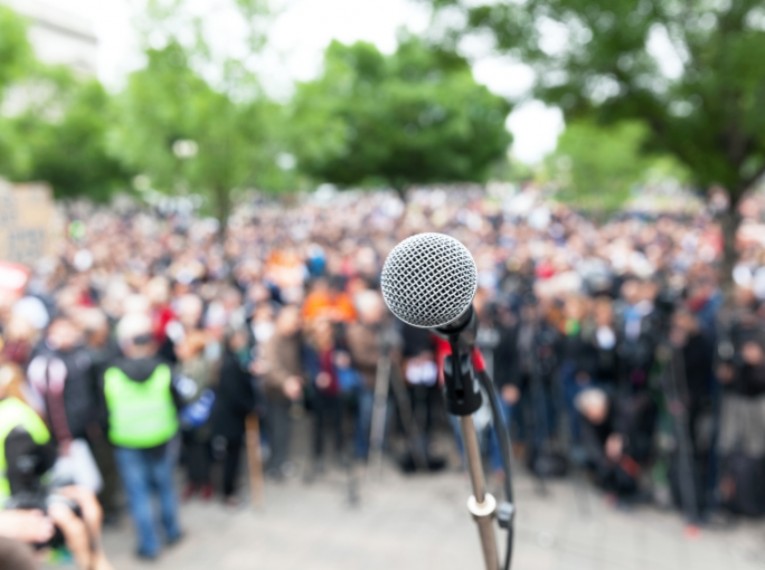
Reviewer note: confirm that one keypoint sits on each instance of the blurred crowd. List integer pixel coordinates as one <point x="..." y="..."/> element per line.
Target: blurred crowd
<point x="152" y="336"/>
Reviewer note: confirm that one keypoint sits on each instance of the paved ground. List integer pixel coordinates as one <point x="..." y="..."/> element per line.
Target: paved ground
<point x="421" y="522"/>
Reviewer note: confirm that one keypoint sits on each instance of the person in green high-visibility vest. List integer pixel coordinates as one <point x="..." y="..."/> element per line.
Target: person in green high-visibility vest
<point x="26" y="449"/>
<point x="141" y="400"/>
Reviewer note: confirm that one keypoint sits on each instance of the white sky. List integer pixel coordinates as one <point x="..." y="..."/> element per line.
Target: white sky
<point x="298" y="37"/>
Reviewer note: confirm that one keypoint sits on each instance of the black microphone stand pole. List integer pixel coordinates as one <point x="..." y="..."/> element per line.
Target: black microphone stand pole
<point x="463" y="398"/>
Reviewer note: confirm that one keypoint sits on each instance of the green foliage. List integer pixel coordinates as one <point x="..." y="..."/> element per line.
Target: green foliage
<point x="54" y="124"/>
<point x="612" y="61"/>
<point x="167" y="102"/>
<point x="69" y="151"/>
<point x="691" y="70"/>
<point x="598" y="168"/>
<point x="416" y="116"/>
<point x="15" y="51"/>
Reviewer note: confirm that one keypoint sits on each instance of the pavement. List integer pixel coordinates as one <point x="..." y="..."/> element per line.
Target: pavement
<point x="413" y="522"/>
<point x="421" y="522"/>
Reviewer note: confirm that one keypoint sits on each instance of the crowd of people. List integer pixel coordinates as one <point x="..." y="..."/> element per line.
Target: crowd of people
<point x="152" y="335"/>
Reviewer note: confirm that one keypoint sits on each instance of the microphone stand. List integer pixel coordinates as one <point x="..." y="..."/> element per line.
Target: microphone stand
<point x="463" y="398"/>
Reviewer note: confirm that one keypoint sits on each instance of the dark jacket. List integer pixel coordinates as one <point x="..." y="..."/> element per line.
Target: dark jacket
<point x="68" y="413"/>
<point x="234" y="399"/>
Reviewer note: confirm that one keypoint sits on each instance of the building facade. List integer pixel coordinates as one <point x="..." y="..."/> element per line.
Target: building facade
<point x="59" y="36"/>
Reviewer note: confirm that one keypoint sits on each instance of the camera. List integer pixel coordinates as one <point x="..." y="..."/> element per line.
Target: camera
<point x="42" y="502"/>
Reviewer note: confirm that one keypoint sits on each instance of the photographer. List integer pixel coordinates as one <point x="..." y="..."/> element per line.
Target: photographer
<point x="607" y="444"/>
<point x="23" y="531"/>
<point x="26" y="454"/>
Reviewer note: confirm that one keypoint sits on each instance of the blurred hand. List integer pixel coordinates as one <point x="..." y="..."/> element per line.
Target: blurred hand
<point x="75" y="534"/>
<point x="725" y="373"/>
<point x="293" y="388"/>
<point x="32" y="527"/>
<point x="91" y="509"/>
<point x="752" y="354"/>
<point x="510" y="394"/>
<point x="614" y="447"/>
<point x="258" y="367"/>
<point x="92" y="557"/>
<point x="323" y="381"/>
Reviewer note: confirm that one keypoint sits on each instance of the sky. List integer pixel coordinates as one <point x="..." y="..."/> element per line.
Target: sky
<point x="301" y="31"/>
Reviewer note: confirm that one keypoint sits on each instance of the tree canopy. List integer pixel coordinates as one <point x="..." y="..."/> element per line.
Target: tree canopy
<point x="168" y="103"/>
<point x="414" y="117"/>
<point x="689" y="70"/>
<point x="599" y="168"/>
<point x="195" y="121"/>
<point x="54" y="123"/>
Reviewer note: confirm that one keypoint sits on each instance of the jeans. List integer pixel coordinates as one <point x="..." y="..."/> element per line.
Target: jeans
<point x="142" y="472"/>
<point x="328" y="412"/>
<point x="280" y="434"/>
<point x="495" y="452"/>
<point x="366" y="401"/>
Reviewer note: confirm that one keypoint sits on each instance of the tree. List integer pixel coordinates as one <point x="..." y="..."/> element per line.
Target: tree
<point x="67" y="145"/>
<point x="15" y="52"/>
<point x="15" y="58"/>
<point x="189" y="98"/>
<point x="414" y="117"/>
<point x="167" y="104"/>
<point x="598" y="168"/>
<point x="54" y="124"/>
<point x="687" y="69"/>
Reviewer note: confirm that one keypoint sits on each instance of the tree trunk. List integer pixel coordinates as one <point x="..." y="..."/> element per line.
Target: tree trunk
<point x="730" y="220"/>
<point x="222" y="210"/>
<point x="403" y="193"/>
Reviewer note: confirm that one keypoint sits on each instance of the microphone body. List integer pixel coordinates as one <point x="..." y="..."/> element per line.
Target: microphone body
<point x="429" y="281"/>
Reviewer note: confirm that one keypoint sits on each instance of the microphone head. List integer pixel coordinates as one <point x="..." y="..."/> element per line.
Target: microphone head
<point x="429" y="280"/>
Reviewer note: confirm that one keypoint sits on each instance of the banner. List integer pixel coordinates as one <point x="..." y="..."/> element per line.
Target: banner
<point x="27" y="223"/>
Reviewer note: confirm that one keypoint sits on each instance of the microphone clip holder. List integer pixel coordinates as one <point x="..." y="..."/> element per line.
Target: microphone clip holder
<point x="463" y="396"/>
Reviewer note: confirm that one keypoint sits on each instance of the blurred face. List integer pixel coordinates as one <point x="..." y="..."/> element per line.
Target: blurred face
<point x="323" y="334"/>
<point x="238" y="340"/>
<point x="288" y="322"/>
<point x="596" y="411"/>
<point x="685" y="321"/>
<point x="63" y="334"/>
<point x="575" y="308"/>
<point x="604" y="314"/>
<point x="372" y="310"/>
<point x="631" y="292"/>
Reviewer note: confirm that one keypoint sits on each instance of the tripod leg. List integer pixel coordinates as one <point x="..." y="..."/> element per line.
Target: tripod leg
<point x="410" y="426"/>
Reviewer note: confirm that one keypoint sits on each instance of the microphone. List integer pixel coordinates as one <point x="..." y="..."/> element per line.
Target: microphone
<point x="429" y="281"/>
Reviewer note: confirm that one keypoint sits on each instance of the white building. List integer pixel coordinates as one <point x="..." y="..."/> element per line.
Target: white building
<point x="59" y="36"/>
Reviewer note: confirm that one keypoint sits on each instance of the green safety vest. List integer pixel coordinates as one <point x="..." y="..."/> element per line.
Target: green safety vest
<point x="141" y="414"/>
<point x="16" y="414"/>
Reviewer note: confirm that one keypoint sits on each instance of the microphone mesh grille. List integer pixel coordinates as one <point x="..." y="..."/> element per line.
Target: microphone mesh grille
<point x="429" y="280"/>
